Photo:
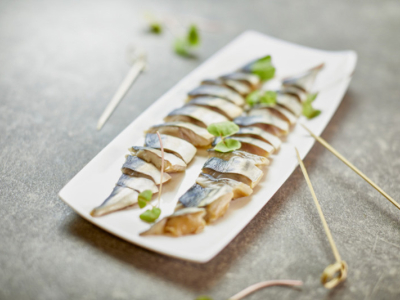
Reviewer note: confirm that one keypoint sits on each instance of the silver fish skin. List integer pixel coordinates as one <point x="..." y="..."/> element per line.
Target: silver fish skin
<point x="253" y="81"/>
<point x="289" y="102"/>
<point x="138" y="184"/>
<point x="171" y="144"/>
<point x="197" y="115"/>
<point x="217" y="91"/>
<point x="237" y="168"/>
<point x="257" y="133"/>
<point x="120" y="198"/>
<point x="257" y="160"/>
<point x="304" y="80"/>
<point x="237" y="86"/>
<point x="270" y="124"/>
<point x="172" y="163"/>
<point x="135" y="166"/>
<point x="219" y="105"/>
<point x="239" y="189"/>
<point x="196" y="135"/>
<point x="251" y="145"/>
<point x="295" y="92"/>
<point x="275" y="110"/>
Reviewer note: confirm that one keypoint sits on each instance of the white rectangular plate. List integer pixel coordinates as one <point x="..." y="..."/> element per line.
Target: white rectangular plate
<point x="95" y="181"/>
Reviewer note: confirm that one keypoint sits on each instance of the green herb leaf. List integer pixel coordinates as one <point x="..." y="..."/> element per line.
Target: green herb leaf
<point x="253" y="98"/>
<point x="144" y="198"/>
<point x="227" y="145"/>
<point x="193" y="37"/>
<point x="268" y="97"/>
<point x="223" y="129"/>
<point x="151" y="215"/>
<point x="204" y="298"/>
<point x="155" y="27"/>
<point x="181" y="47"/>
<point x="308" y="111"/>
<point x="264" y="68"/>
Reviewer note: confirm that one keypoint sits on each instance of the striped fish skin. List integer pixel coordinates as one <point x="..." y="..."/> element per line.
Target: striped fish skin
<point x="257" y="133"/>
<point x="172" y="163"/>
<point x="120" y="198"/>
<point x="257" y="160"/>
<point x="237" y="86"/>
<point x="239" y="189"/>
<point x="215" y="200"/>
<point x="138" y="184"/>
<point x="219" y="105"/>
<point x="197" y="136"/>
<point x="270" y="124"/>
<point x="135" y="166"/>
<point x="217" y="91"/>
<point x="289" y="102"/>
<point x="171" y="144"/>
<point x="298" y="94"/>
<point x="304" y="80"/>
<point x="253" y="81"/>
<point x="276" y="110"/>
<point x="251" y="145"/>
<point x="237" y="168"/>
<point x="183" y="222"/>
<point x="197" y="115"/>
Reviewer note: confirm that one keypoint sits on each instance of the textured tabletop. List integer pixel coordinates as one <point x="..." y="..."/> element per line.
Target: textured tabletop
<point x="60" y="63"/>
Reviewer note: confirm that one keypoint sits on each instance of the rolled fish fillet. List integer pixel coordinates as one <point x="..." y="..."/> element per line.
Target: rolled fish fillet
<point x="219" y="105"/>
<point x="257" y="160"/>
<point x="235" y="85"/>
<point x="218" y="91"/>
<point x="275" y="110"/>
<point x="197" y="115"/>
<point x="257" y="133"/>
<point x="270" y="124"/>
<point x="135" y="166"/>
<point x="251" y="145"/>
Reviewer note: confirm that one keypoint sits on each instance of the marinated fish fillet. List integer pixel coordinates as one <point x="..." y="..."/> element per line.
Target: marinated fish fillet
<point x="219" y="105"/>
<point x="172" y="163"/>
<point x="304" y="80"/>
<point x="253" y="81"/>
<point x="257" y="133"/>
<point x="217" y="91"/>
<point x="289" y="102"/>
<point x="275" y="110"/>
<point x="296" y="92"/>
<point x="197" y="115"/>
<point x="267" y="123"/>
<point x="184" y="221"/>
<point x="257" y="160"/>
<point x="234" y="85"/>
<point x="197" y="136"/>
<point x="237" y="168"/>
<point x="251" y="145"/>
<point x="120" y="198"/>
<point x="171" y="144"/>
<point x="239" y="189"/>
<point x="138" y="184"/>
<point x="135" y="166"/>
<point x="215" y="200"/>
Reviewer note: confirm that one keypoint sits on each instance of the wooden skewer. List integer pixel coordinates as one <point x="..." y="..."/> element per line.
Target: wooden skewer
<point x="351" y="166"/>
<point x="328" y="278"/>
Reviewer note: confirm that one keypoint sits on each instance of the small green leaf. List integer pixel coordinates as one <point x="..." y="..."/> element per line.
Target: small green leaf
<point x="253" y="98"/>
<point x="269" y="97"/>
<point x="223" y="129"/>
<point x="193" y="37"/>
<point x="227" y="145"/>
<point x="264" y="68"/>
<point x="151" y="215"/>
<point x="155" y="27"/>
<point x="144" y="198"/>
<point x="204" y="298"/>
<point x="181" y="47"/>
<point x="308" y="111"/>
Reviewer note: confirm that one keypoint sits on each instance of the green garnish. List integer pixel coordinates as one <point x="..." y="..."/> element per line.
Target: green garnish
<point x="227" y="145"/>
<point x="184" y="45"/>
<point x="268" y="97"/>
<point x="151" y="215"/>
<point x="223" y="130"/>
<point x="308" y="111"/>
<point x="144" y="198"/>
<point x="155" y="27"/>
<point x="264" y="68"/>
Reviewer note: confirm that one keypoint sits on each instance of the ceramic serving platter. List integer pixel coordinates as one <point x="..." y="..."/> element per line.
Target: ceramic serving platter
<point x="96" y="180"/>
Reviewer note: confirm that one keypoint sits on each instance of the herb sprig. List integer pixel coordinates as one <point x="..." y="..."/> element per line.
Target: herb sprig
<point x="223" y="130"/>
<point x="308" y="110"/>
<point x="263" y="67"/>
<point x="256" y="97"/>
<point x="184" y="45"/>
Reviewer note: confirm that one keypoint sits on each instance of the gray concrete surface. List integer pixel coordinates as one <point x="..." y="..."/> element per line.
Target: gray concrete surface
<point x="60" y="63"/>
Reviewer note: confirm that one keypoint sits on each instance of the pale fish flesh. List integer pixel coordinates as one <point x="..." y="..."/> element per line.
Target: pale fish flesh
<point x="270" y="124"/>
<point x="135" y="166"/>
<point x="289" y="102"/>
<point x="304" y="80"/>
<point x="219" y="105"/>
<point x="172" y="163"/>
<point x="259" y="134"/>
<point x="218" y="91"/>
<point x="251" y="145"/>
<point x="259" y="161"/>
<point x="234" y="85"/>
<point x="171" y="144"/>
<point x="275" y="110"/>
<point x="196" y="135"/>
<point x="253" y="81"/>
<point x="237" y="168"/>
<point x="197" y="115"/>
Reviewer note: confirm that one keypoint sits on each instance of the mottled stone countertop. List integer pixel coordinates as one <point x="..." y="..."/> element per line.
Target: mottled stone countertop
<point x="61" y="61"/>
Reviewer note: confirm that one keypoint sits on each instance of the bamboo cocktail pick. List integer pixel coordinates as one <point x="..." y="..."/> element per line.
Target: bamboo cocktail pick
<point x="337" y="272"/>
<point x="350" y="165"/>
